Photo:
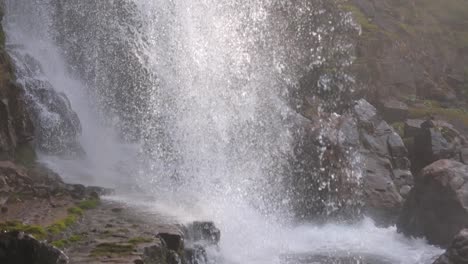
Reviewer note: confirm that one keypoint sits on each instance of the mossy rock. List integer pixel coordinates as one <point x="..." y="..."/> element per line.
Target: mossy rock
<point x="89" y="204"/>
<point x="37" y="231"/>
<point x="399" y="128"/>
<point x="105" y="249"/>
<point x="140" y="240"/>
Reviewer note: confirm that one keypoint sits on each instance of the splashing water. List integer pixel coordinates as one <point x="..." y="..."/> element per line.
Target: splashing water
<point x="193" y="103"/>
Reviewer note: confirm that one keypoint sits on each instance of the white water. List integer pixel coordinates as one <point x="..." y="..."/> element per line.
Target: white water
<point x="223" y="78"/>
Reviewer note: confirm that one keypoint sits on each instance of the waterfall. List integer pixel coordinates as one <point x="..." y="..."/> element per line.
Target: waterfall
<point x="194" y="109"/>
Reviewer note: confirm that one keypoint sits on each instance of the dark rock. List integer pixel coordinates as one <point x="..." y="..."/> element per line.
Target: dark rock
<point x="138" y="261"/>
<point x="196" y="255"/>
<point x="77" y="191"/>
<point x="117" y="210"/>
<point x="437" y="206"/>
<point x="334" y="150"/>
<point x="464" y="155"/>
<point x="412" y="127"/>
<point x="457" y="253"/>
<point x="383" y="200"/>
<point x="19" y="248"/>
<point x="99" y="191"/>
<point x="172" y="241"/>
<point x="56" y="125"/>
<point x="394" y="110"/>
<point x="173" y="257"/>
<point x="205" y="232"/>
<point x="4" y="209"/>
<point x="155" y="254"/>
<point x="429" y="146"/>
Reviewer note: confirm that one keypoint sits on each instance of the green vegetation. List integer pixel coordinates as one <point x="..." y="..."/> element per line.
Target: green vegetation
<point x="139" y="240"/>
<point x="450" y="114"/>
<point x="75" y="211"/>
<point x="62" y="243"/>
<point x="61" y="225"/>
<point x="399" y="128"/>
<point x="105" y="249"/>
<point x="89" y="204"/>
<point x="37" y="231"/>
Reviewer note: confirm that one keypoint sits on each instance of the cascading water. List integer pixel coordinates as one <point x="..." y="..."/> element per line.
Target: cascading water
<point x="193" y="103"/>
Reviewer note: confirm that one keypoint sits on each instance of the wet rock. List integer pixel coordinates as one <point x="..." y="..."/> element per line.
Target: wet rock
<point x="205" y="232"/>
<point x="173" y="241"/>
<point x="155" y="254"/>
<point x="385" y="157"/>
<point x="394" y="110"/>
<point x="196" y="255"/>
<point x="412" y="127"/>
<point x="437" y="205"/>
<point x="383" y="200"/>
<point x="77" y="191"/>
<point x="403" y="178"/>
<point x="430" y="146"/>
<point x="19" y="248"/>
<point x="359" y="141"/>
<point x="457" y="253"/>
<point x="56" y="125"/>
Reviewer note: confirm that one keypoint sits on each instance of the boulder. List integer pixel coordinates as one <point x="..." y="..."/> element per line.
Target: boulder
<point x="386" y="167"/>
<point x="437" y="206"/>
<point x="19" y="248"/>
<point x="172" y="241"/>
<point x="203" y="232"/>
<point x="412" y="127"/>
<point x="429" y="146"/>
<point x="394" y="110"/>
<point x="382" y="198"/>
<point x="351" y="164"/>
<point x="457" y="253"/>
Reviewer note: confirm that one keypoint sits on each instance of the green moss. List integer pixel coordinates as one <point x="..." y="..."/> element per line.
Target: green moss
<point x="61" y="225"/>
<point x="75" y="211"/>
<point x="139" y="240"/>
<point x="399" y="128"/>
<point x="89" y="204"/>
<point x="37" y="231"/>
<point x="450" y="114"/>
<point x="105" y="249"/>
<point x="62" y="243"/>
<point x="75" y="238"/>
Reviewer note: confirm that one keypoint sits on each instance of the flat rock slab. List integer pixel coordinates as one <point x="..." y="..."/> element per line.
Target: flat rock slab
<point x="114" y="233"/>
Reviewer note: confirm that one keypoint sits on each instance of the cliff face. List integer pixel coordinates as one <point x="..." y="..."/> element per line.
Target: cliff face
<point x="16" y="129"/>
<point x="413" y="48"/>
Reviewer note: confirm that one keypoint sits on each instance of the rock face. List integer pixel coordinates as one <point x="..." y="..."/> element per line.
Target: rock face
<point x="394" y="110"/>
<point x="358" y="141"/>
<point x="57" y="124"/>
<point x="19" y="248"/>
<point x="16" y="128"/>
<point x="432" y="63"/>
<point x="457" y="253"/>
<point x="437" y="207"/>
<point x="386" y="173"/>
